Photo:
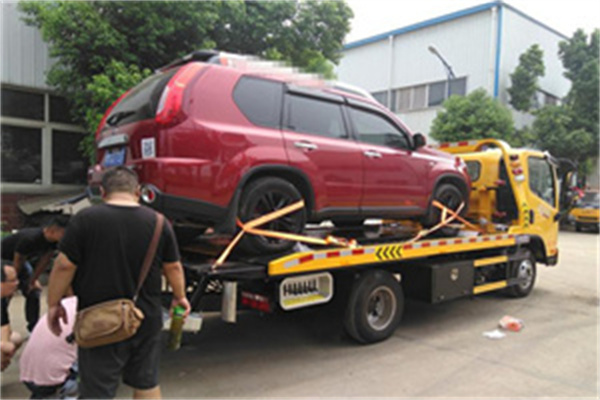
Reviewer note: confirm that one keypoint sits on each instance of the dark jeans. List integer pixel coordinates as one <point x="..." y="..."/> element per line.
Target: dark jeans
<point x="67" y="389"/>
<point x="32" y="298"/>
<point x="42" y="392"/>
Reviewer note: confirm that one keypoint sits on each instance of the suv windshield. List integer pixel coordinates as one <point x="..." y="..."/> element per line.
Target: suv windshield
<point x="141" y="102"/>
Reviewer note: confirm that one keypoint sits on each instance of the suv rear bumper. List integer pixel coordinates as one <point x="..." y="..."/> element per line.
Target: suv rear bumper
<point x="177" y="207"/>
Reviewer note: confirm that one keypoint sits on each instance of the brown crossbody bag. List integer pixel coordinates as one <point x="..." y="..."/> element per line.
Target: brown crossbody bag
<point x="115" y="320"/>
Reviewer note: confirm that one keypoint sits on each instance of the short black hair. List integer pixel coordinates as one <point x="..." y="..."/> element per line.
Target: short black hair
<point x="60" y="221"/>
<point x="120" y="179"/>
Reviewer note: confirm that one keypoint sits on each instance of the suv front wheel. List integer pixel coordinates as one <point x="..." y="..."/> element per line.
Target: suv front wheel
<point x="264" y="196"/>
<point x="450" y="196"/>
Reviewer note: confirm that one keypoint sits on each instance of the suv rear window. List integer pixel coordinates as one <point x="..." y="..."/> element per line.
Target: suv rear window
<point x="142" y="100"/>
<point x="259" y="100"/>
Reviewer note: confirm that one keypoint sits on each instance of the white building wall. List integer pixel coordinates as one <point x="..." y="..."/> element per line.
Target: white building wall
<point x="518" y="34"/>
<point x="24" y="54"/>
<point x="366" y="66"/>
<point x="467" y="44"/>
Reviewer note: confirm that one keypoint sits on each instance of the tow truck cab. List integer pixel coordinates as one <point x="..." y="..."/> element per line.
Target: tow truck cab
<point x="514" y="190"/>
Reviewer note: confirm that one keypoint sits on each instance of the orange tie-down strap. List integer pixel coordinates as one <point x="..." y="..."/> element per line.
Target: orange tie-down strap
<point x="251" y="228"/>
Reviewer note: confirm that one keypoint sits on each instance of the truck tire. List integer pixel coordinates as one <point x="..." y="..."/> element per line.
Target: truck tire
<point x="264" y="196"/>
<point x="523" y="269"/>
<point x="375" y="307"/>
<point x="578" y="227"/>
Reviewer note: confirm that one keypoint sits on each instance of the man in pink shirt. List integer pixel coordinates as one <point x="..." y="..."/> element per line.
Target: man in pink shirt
<point x="47" y="359"/>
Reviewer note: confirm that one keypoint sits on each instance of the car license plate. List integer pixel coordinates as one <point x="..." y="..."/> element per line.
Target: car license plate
<point x="113" y="158"/>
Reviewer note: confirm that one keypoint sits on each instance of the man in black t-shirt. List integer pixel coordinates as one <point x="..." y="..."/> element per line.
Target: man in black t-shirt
<point x="101" y="256"/>
<point x="33" y="246"/>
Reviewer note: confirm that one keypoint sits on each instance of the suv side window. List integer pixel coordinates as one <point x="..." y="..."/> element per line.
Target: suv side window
<point x="259" y="100"/>
<point x="375" y="129"/>
<point x="541" y="179"/>
<point x="309" y="115"/>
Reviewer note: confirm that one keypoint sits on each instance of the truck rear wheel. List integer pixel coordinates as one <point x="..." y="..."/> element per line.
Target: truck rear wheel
<point x="375" y="307"/>
<point x="525" y="270"/>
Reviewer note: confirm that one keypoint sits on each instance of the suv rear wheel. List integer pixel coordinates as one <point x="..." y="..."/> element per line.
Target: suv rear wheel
<point x="264" y="196"/>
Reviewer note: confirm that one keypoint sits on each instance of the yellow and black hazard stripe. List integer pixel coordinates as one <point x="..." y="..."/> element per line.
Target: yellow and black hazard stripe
<point x="387" y="253"/>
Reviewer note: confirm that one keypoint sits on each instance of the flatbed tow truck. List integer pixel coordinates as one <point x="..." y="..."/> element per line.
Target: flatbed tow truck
<point x="511" y="226"/>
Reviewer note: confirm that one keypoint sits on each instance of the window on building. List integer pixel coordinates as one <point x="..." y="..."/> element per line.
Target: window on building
<point x="458" y="86"/>
<point x="68" y="164"/>
<point x="21" y="154"/>
<point x="40" y="147"/>
<point x="21" y="104"/>
<point x="381" y="97"/>
<point x="541" y="180"/>
<point x="59" y="110"/>
<point x="419" y="98"/>
<point x="375" y="129"/>
<point x="315" y="116"/>
<point x="404" y="99"/>
<point x="259" y="100"/>
<point x="437" y="93"/>
<point x="551" y="100"/>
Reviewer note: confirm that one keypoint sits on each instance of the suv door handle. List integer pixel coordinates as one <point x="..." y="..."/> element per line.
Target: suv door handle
<point x="306" y="145"/>
<point x="372" y="154"/>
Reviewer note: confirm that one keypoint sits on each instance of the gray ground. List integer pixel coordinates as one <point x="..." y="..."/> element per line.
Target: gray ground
<point x="437" y="351"/>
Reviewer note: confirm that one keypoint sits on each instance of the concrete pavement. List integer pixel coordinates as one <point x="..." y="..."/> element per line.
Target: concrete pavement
<point x="438" y="350"/>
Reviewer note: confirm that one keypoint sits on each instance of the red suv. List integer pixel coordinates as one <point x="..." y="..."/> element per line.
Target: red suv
<point x="212" y="142"/>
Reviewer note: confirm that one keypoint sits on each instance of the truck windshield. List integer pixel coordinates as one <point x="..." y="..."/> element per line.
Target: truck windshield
<point x="141" y="102"/>
<point x="590" y="198"/>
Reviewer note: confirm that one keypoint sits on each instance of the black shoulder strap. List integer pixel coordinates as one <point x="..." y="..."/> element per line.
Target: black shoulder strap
<point x="160" y="219"/>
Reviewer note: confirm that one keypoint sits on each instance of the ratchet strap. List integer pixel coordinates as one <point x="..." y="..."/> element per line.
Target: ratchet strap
<point x="251" y="227"/>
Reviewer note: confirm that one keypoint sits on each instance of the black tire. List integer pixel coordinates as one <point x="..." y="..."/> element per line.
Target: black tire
<point x="578" y="227"/>
<point x="262" y="197"/>
<point x="375" y="307"/>
<point x="523" y="269"/>
<point x="450" y="196"/>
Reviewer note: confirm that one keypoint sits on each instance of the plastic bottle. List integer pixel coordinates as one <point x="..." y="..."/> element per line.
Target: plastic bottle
<point x="176" y="328"/>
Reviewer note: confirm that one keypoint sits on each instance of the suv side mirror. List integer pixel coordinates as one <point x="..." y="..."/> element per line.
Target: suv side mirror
<point x="419" y="140"/>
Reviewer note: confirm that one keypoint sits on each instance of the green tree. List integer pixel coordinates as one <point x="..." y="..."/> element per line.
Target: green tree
<point x="579" y="56"/>
<point x="571" y="129"/>
<point x="524" y="79"/>
<point x="475" y="116"/>
<point x="102" y="48"/>
<point x="552" y="133"/>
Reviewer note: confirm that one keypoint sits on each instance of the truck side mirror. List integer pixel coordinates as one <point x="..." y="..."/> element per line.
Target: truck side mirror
<point x="419" y="140"/>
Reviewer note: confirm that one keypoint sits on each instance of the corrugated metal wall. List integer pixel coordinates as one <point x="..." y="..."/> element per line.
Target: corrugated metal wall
<point x="24" y="54"/>
<point x="466" y="43"/>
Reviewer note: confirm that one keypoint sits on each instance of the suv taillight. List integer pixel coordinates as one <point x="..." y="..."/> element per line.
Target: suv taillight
<point x="107" y="113"/>
<point x="169" y="105"/>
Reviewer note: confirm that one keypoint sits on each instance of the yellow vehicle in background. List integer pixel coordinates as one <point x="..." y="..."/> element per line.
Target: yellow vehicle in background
<point x="586" y="213"/>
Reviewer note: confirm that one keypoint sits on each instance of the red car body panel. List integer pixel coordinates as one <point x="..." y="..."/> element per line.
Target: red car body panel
<point x="207" y="155"/>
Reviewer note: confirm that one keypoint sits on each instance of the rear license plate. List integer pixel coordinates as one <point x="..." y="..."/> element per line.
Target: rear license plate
<point x="113" y="158"/>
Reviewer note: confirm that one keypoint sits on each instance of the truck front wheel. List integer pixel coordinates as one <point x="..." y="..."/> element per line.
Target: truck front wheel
<point x="525" y="271"/>
<point x="375" y="307"/>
